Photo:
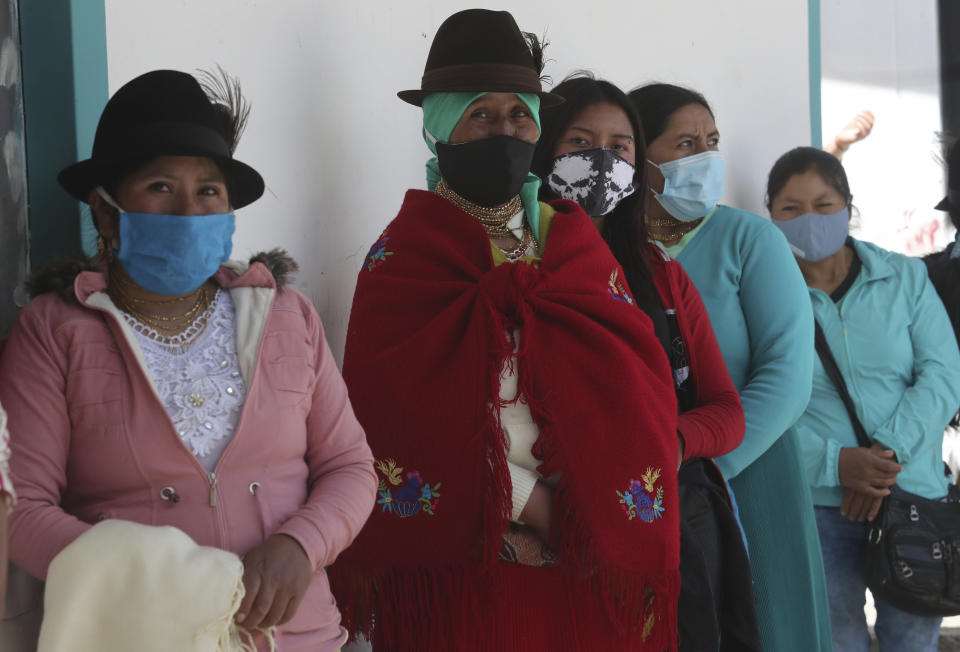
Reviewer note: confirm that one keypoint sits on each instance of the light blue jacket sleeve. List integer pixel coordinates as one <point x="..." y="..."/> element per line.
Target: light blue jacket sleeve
<point x="933" y="397"/>
<point x="779" y="318"/>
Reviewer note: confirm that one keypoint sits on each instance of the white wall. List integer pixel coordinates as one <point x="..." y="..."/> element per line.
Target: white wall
<point x="338" y="149"/>
<point x="882" y="55"/>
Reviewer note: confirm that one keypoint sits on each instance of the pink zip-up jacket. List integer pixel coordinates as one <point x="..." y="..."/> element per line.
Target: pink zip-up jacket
<point x="94" y="440"/>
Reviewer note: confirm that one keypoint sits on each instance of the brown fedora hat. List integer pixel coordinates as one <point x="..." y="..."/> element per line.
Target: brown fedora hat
<point x="478" y="50"/>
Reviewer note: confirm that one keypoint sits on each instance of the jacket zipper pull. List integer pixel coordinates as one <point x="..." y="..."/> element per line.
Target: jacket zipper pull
<point x="213" y="489"/>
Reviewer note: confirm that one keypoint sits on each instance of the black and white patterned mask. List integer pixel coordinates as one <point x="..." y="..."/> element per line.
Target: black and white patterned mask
<point x="597" y="179"/>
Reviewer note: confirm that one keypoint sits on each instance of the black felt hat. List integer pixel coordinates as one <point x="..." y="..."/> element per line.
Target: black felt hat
<point x="163" y="112"/>
<point x="478" y="50"/>
<point x="953" y="181"/>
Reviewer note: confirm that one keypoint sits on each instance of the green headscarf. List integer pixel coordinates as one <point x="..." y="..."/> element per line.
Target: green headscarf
<point x="442" y="112"/>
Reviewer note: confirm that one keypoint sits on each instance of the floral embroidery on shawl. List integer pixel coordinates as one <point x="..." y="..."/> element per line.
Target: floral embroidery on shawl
<point x="378" y="252"/>
<point x="408" y="495"/>
<point x="617" y="289"/>
<point x="643" y="498"/>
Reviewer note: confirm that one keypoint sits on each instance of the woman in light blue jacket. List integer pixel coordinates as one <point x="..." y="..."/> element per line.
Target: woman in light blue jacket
<point x="894" y="345"/>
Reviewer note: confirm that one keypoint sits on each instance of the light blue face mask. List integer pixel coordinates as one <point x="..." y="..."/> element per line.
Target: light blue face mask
<point x="172" y="254"/>
<point x="692" y="185"/>
<point x="813" y="237"/>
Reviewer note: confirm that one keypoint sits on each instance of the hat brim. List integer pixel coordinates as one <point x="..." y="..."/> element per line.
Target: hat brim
<point x="415" y="97"/>
<point x="246" y="184"/>
<point x="944" y="205"/>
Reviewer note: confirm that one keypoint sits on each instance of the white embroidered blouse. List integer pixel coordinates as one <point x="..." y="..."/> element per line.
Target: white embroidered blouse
<point x="199" y="382"/>
<point x="515" y="417"/>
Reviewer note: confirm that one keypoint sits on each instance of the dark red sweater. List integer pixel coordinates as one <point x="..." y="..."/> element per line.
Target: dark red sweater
<point x="715" y="425"/>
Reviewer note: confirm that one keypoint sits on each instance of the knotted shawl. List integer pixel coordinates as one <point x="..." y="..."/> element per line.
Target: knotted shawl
<point x="425" y="346"/>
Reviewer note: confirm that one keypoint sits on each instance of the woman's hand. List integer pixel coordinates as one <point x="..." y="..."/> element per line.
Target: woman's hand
<point x="536" y="513"/>
<point x="860" y="507"/>
<point x="868" y="470"/>
<point x="276" y="575"/>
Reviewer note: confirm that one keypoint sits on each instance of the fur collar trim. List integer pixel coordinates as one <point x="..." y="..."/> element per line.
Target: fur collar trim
<point x="60" y="276"/>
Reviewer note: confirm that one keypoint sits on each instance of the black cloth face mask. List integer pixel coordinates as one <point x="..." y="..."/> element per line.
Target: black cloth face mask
<point x="488" y="172"/>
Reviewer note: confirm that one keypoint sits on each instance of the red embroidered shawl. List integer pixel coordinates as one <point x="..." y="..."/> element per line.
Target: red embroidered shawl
<point x="425" y="347"/>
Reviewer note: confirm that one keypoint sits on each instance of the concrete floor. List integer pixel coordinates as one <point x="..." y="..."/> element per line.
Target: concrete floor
<point x="950" y="639"/>
<point x="949" y="630"/>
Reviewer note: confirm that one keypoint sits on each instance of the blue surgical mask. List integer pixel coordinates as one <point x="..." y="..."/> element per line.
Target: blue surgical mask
<point x="172" y="254"/>
<point x="813" y="237"/>
<point x="692" y="186"/>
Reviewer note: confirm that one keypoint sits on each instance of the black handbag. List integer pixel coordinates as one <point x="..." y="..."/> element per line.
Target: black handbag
<point x="913" y="545"/>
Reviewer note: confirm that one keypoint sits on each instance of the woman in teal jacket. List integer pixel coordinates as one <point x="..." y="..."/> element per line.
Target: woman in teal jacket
<point x="894" y="345"/>
<point x="756" y="300"/>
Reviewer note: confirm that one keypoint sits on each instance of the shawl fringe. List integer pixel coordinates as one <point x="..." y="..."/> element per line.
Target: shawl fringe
<point x="471" y="609"/>
<point x="499" y="490"/>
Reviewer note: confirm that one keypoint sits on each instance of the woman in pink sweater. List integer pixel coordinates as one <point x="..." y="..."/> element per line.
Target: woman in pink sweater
<point x="164" y="385"/>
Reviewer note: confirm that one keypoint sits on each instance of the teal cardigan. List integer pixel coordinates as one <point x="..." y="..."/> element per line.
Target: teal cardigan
<point x="758" y="306"/>
<point x="895" y="347"/>
<point x="756" y="298"/>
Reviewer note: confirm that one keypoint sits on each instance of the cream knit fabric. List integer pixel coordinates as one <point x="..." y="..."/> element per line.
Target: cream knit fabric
<point x="6" y="487"/>
<point x="123" y="586"/>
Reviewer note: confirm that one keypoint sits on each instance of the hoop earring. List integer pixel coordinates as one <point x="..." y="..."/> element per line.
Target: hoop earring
<point x="105" y="249"/>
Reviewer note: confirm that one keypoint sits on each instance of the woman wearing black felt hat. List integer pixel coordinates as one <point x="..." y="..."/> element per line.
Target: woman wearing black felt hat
<point x="519" y="406"/>
<point x="944" y="266"/>
<point x="164" y="385"/>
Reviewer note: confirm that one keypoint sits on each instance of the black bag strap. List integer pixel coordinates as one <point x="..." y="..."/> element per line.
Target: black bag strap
<point x="833" y="371"/>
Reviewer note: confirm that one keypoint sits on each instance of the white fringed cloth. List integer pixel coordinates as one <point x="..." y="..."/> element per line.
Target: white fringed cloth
<point x="123" y="586"/>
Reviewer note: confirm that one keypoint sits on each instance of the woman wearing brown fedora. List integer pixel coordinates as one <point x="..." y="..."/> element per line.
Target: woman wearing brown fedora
<point x="163" y="385"/>
<point x="527" y="499"/>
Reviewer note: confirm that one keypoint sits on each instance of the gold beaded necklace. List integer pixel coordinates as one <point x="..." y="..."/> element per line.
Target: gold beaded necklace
<point x="518" y="252"/>
<point x="182" y="337"/>
<point x="669" y="229"/>
<point x="172" y="324"/>
<point x="124" y="285"/>
<point x="164" y="326"/>
<point x="494" y="219"/>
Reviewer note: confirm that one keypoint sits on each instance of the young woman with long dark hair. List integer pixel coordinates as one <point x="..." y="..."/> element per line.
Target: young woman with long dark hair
<point x="589" y="153"/>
